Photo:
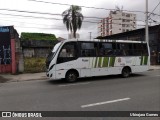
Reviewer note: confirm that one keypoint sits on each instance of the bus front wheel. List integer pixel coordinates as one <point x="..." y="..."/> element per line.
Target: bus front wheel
<point x="71" y="76"/>
<point x="126" y="72"/>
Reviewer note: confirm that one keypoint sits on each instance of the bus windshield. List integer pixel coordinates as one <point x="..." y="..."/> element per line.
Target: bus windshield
<point x="52" y="54"/>
<point x="55" y="48"/>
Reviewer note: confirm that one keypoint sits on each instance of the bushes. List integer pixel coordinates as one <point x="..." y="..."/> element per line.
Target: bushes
<point x="37" y="36"/>
<point x="35" y="64"/>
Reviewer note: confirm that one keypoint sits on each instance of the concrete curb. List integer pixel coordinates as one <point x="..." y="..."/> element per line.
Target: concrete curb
<point x="26" y="80"/>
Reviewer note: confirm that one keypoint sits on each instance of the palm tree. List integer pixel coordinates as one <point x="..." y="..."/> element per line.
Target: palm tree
<point x="119" y="9"/>
<point x="73" y="18"/>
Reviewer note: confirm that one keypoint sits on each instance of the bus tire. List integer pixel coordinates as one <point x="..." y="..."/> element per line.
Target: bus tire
<point x="126" y="72"/>
<point x="71" y="76"/>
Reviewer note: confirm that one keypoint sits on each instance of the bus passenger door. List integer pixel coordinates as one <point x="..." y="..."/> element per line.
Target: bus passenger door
<point x="85" y="69"/>
<point x="87" y="52"/>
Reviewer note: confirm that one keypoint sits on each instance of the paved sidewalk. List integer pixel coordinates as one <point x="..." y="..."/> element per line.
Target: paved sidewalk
<point x="23" y="77"/>
<point x="154" y="67"/>
<point x="37" y="76"/>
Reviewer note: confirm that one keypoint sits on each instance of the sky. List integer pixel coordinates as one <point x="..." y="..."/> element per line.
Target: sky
<point x="45" y="17"/>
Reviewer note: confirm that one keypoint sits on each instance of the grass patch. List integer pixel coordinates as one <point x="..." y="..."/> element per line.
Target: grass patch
<point x="34" y="65"/>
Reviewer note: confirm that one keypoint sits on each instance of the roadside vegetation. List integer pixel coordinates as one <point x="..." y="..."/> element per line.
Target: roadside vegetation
<point x="37" y="36"/>
<point x="34" y="65"/>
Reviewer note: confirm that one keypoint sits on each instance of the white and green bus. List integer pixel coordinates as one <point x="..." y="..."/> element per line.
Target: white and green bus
<point x="72" y="59"/>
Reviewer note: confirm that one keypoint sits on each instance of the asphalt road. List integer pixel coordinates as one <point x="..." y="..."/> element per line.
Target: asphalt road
<point x="140" y="92"/>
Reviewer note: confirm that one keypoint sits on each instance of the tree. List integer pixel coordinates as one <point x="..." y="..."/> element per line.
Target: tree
<point x="119" y="9"/>
<point x="73" y="18"/>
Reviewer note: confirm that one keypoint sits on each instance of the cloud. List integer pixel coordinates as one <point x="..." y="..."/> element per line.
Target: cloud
<point x="56" y="26"/>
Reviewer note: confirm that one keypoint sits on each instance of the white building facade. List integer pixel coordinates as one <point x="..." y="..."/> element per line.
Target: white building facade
<point x="117" y="22"/>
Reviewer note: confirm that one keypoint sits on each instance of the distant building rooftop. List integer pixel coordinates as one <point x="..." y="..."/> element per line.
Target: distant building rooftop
<point x="133" y="32"/>
<point x="60" y="39"/>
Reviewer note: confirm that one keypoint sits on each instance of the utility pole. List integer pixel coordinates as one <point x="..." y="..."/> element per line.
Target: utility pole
<point x="146" y="31"/>
<point x="90" y="35"/>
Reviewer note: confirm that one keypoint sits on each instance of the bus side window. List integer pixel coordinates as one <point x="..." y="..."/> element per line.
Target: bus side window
<point x="137" y="48"/>
<point x="107" y="49"/>
<point x="88" y="49"/>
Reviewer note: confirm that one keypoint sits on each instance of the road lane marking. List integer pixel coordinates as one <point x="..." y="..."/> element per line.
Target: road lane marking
<point x="74" y="84"/>
<point x="102" y="103"/>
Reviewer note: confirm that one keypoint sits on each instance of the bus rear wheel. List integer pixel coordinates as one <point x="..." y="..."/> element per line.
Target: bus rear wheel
<point x="126" y="72"/>
<point x="71" y="76"/>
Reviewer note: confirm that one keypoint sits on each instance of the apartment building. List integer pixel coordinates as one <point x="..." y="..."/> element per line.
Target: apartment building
<point x="117" y="22"/>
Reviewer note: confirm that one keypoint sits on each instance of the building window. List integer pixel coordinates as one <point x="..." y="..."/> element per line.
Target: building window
<point x="127" y="20"/>
<point x="127" y="15"/>
<point x="127" y="25"/>
<point x="111" y="26"/>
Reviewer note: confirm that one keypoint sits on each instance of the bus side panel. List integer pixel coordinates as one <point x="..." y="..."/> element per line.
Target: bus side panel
<point x="82" y="65"/>
<point x="141" y="64"/>
<point x="104" y="66"/>
<point x="62" y="68"/>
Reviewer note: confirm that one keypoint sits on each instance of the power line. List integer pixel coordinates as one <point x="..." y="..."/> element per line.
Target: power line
<point x="82" y="6"/>
<point x="44" y="13"/>
<point x="34" y="12"/>
<point x="60" y="14"/>
<point x="155" y="21"/>
<point x="49" y="14"/>
<point x="92" y="7"/>
<point x="29" y="16"/>
<point x="51" y="18"/>
<point x="154" y="9"/>
<point x="37" y="27"/>
<point x="30" y="23"/>
<point x="40" y="17"/>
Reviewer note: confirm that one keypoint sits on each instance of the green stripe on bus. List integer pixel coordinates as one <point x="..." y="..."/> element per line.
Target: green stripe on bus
<point x="145" y="60"/>
<point x="95" y="65"/>
<point x="100" y="61"/>
<point x="105" y="61"/>
<point x="141" y="60"/>
<point x="112" y="61"/>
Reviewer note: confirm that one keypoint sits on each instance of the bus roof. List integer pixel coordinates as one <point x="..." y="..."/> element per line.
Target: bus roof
<point x="104" y="40"/>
